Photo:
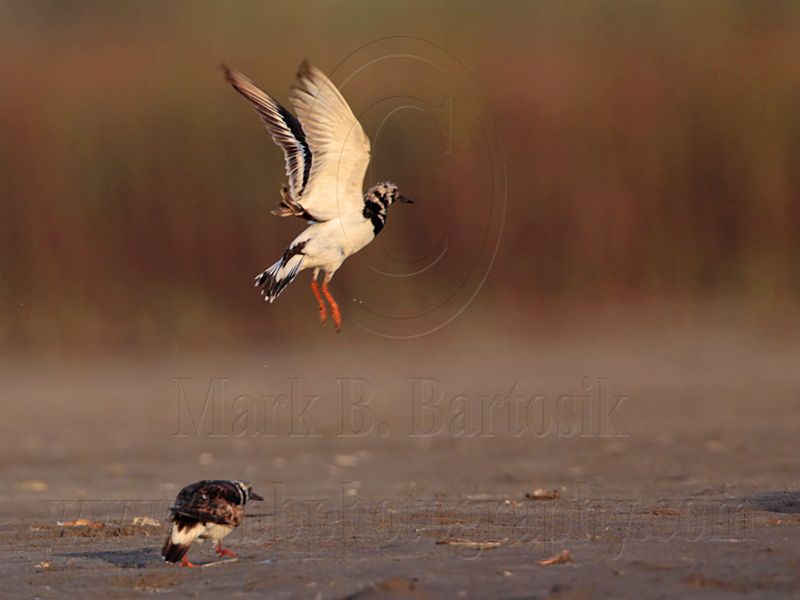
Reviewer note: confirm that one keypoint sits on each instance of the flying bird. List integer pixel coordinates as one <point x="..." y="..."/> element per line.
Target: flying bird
<point x="327" y="153"/>
<point x="208" y="509"/>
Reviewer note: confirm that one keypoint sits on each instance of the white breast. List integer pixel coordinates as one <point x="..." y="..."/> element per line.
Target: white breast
<point x="330" y="242"/>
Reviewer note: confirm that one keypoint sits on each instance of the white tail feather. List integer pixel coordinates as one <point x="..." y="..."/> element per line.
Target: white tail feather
<point x="275" y="279"/>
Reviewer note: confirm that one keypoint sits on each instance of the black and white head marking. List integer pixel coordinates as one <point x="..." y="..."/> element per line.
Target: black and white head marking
<point x="245" y="491"/>
<point x="377" y="199"/>
<point x="241" y="487"/>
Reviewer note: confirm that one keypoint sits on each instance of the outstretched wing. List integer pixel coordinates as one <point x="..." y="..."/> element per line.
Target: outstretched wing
<point x="285" y="129"/>
<point x="210" y="502"/>
<point x="338" y="143"/>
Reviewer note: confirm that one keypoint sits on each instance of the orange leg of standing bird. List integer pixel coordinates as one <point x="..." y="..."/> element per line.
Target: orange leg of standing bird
<point x="185" y="562"/>
<point x="335" y="313"/>
<point x="224" y="551"/>
<point x="323" y="314"/>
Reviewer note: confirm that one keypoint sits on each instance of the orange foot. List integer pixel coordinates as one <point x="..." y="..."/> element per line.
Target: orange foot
<point x="225" y="552"/>
<point x="323" y="314"/>
<point x="185" y="562"/>
<point x="335" y="312"/>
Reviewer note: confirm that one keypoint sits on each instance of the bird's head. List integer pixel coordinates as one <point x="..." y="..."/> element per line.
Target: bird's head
<point x="247" y="491"/>
<point x="386" y="193"/>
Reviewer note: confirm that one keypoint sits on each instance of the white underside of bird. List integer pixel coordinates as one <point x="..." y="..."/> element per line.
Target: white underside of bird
<point x="201" y="531"/>
<point x="327" y="153"/>
<point x="325" y="246"/>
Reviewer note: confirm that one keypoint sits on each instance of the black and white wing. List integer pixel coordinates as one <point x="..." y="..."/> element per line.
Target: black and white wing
<point x="285" y="129"/>
<point x="337" y="142"/>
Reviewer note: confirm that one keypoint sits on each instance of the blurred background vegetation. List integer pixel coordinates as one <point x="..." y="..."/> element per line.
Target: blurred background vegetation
<point x="652" y="154"/>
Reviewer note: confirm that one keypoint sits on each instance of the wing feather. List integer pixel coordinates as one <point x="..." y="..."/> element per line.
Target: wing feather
<point x="338" y="143"/>
<point x="286" y="130"/>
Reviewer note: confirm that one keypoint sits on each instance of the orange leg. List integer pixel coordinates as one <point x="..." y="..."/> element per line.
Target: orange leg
<point x="224" y="551"/>
<point x="185" y="562"/>
<point x="335" y="313"/>
<point x="323" y="314"/>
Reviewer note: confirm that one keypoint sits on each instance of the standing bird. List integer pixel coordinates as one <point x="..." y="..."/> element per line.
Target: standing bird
<point x="208" y="509"/>
<point x="327" y="153"/>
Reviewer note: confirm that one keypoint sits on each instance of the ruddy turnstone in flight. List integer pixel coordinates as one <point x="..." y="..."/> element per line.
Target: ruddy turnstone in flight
<point x="208" y="509"/>
<point x="327" y="153"/>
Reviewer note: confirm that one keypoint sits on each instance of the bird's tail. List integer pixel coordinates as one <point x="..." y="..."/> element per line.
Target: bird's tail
<point x="177" y="544"/>
<point x="275" y="279"/>
<point x="173" y="552"/>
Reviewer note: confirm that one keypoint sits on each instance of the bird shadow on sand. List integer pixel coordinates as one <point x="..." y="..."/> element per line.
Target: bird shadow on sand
<point x="779" y="502"/>
<point x="125" y="559"/>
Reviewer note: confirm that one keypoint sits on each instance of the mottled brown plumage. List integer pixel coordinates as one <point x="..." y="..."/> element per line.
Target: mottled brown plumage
<point x="208" y="509"/>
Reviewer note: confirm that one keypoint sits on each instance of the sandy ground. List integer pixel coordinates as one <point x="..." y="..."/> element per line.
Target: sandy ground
<point x="673" y="454"/>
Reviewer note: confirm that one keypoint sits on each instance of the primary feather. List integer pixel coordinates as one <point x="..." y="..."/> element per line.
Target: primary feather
<point x="338" y="144"/>
<point x="286" y="131"/>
